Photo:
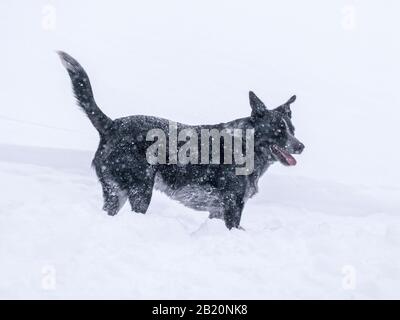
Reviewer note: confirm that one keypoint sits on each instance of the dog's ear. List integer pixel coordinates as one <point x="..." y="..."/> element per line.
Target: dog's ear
<point x="291" y="100"/>
<point x="258" y="108"/>
<point x="285" y="108"/>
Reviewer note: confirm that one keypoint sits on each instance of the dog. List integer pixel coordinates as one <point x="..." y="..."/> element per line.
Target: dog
<point x="125" y="173"/>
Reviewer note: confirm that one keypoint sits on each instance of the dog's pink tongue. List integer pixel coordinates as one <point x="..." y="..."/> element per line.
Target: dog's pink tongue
<point x="290" y="160"/>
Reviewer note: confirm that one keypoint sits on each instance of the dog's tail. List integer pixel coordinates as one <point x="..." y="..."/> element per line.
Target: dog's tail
<point x="83" y="93"/>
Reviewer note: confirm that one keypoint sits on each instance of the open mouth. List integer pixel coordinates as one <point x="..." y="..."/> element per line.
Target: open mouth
<point x="282" y="155"/>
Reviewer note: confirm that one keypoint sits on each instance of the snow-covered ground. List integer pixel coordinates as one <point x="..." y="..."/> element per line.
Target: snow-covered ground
<point x="304" y="238"/>
<point x="327" y="228"/>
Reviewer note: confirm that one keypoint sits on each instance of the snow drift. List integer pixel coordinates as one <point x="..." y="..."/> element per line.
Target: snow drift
<point x="304" y="238"/>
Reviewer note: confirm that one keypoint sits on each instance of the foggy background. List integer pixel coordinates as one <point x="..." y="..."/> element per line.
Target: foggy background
<point x="194" y="62"/>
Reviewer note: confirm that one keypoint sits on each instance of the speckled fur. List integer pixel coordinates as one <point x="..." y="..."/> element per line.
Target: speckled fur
<point x="124" y="173"/>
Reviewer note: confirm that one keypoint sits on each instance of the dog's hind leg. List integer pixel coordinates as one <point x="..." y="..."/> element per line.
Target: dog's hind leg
<point x="140" y="193"/>
<point x="114" y="197"/>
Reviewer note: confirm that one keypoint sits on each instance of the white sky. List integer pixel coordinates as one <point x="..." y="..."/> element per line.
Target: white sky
<point x="194" y="62"/>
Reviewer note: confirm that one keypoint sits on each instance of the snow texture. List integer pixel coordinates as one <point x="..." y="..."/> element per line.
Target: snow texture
<point x="327" y="228"/>
<point x="304" y="238"/>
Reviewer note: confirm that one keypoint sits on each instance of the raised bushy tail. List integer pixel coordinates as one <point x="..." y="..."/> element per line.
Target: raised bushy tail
<point x="83" y="93"/>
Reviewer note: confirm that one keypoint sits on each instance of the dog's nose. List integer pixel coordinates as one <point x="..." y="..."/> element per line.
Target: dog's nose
<point x="300" y="148"/>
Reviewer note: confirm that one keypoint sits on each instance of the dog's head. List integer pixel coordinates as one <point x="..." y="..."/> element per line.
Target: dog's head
<point x="274" y="130"/>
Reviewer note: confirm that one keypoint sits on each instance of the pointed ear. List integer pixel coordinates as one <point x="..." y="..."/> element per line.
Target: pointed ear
<point x="291" y="100"/>
<point x="285" y="108"/>
<point x="258" y="108"/>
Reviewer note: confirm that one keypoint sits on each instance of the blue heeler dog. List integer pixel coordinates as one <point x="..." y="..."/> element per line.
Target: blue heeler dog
<point x="122" y="165"/>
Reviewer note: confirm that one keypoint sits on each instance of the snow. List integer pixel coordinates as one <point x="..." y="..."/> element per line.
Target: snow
<point x="302" y="236"/>
<point x="327" y="228"/>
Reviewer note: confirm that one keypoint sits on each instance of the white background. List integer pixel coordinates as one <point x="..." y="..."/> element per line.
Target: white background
<point x="195" y="62"/>
<point x="327" y="228"/>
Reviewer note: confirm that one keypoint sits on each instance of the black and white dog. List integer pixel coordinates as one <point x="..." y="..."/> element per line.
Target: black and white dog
<point x="125" y="172"/>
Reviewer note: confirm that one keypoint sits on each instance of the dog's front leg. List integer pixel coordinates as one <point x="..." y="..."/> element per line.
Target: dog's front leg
<point x="233" y="207"/>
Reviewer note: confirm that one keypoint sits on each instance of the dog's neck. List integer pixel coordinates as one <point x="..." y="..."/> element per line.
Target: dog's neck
<point x="262" y="159"/>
